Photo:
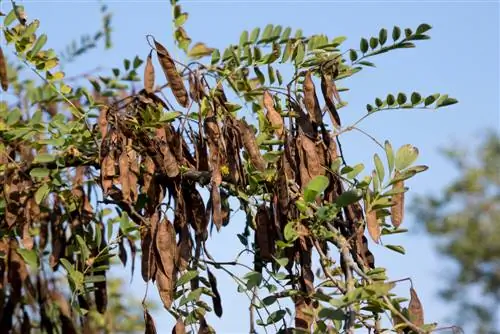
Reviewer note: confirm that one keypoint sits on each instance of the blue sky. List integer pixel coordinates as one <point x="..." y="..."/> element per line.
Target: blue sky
<point x="461" y="59"/>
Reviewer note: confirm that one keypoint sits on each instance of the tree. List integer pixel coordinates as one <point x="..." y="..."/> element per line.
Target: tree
<point x="465" y="219"/>
<point x="95" y="170"/>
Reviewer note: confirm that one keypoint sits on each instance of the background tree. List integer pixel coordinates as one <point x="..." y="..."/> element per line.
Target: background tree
<point x="465" y="219"/>
<point x="97" y="170"/>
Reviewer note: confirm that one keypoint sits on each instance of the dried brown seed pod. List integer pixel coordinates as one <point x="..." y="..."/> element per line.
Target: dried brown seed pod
<point x="311" y="100"/>
<point x="328" y="89"/>
<point x="173" y="77"/>
<point x="272" y="115"/>
<point x="398" y="200"/>
<point x="3" y="72"/>
<point x="149" y="74"/>
<point x="415" y="309"/>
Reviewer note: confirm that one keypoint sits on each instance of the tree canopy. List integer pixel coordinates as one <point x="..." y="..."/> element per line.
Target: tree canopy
<point x="147" y="161"/>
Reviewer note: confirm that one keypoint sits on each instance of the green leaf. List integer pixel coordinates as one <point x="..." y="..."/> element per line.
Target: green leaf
<point x="181" y="19"/>
<point x="417" y="169"/>
<point x="271" y="74"/>
<point x="369" y="107"/>
<point x="254" y="35"/>
<point x="373" y="42"/>
<point x="390" y="99"/>
<point x="331" y="314"/>
<point x="396" y="33"/>
<point x="349" y="197"/>
<point x="379" y="166"/>
<point x="406" y="155"/>
<point x="269" y="300"/>
<point x="11" y="16"/>
<point x="137" y="62"/>
<point x="355" y="171"/>
<point x="300" y="53"/>
<point x="396" y="248"/>
<point x="199" y="50"/>
<point x="286" y="35"/>
<point x="39" y="44"/>
<point x="82" y="245"/>
<point x="41" y="193"/>
<point x="382" y="36"/>
<point x="276" y="316"/>
<point x="298" y="33"/>
<point x="215" y="56"/>
<point x="44" y="158"/>
<point x="315" y="187"/>
<point x="243" y="38"/>
<point x="187" y="277"/>
<point x="353" y="55"/>
<point x="390" y="155"/>
<point x="30" y="257"/>
<point x="423" y="28"/>
<point x="366" y="63"/>
<point x="401" y="98"/>
<point x="289" y="232"/>
<point x="363" y="45"/>
<point x="430" y="100"/>
<point x="378" y="102"/>
<point x="445" y="101"/>
<point x="268" y="30"/>
<point x="39" y="172"/>
<point x="415" y="98"/>
<point x="253" y="279"/>
<point x="282" y="262"/>
<point x="13" y="117"/>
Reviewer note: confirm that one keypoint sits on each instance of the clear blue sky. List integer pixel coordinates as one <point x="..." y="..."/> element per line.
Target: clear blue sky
<point x="461" y="59"/>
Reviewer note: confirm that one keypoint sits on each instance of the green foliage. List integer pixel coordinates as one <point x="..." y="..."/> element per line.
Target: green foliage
<point x="55" y="143"/>
<point x="464" y="217"/>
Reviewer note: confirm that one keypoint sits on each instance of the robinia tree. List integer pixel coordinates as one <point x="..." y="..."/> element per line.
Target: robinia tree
<point x="146" y="160"/>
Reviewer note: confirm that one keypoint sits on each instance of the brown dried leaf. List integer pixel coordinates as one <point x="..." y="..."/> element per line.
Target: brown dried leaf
<point x="173" y="77"/>
<point x="149" y="323"/>
<point x="311" y="100"/>
<point x="373" y="225"/>
<point x="327" y="88"/>
<point x="216" y="300"/>
<point x="398" y="200"/>
<point x="272" y="115"/>
<point x="123" y="164"/>
<point x="149" y="74"/>
<point x="204" y="327"/>
<point x="166" y="248"/>
<point x="3" y="72"/>
<point x="415" y="309"/>
<point x="179" y="327"/>
<point x="250" y="144"/>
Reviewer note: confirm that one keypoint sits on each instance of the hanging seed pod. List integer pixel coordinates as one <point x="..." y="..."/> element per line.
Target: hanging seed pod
<point x="123" y="164"/>
<point x="327" y="88"/>
<point x="184" y="248"/>
<point x="149" y="171"/>
<point x="373" y="225"/>
<point x="272" y="115"/>
<point x="398" y="200"/>
<point x="149" y="74"/>
<point x="148" y="260"/>
<point x="150" y="323"/>
<point x="216" y="298"/>
<point x="3" y="72"/>
<point x="134" y="171"/>
<point x="173" y="77"/>
<point x="179" y="327"/>
<point x="250" y="143"/>
<point x="107" y="172"/>
<point x="415" y="309"/>
<point x="103" y="122"/>
<point x="311" y="100"/>
<point x="166" y="247"/>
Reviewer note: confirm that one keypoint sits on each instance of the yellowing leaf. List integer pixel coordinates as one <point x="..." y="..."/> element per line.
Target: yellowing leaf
<point x="200" y="50"/>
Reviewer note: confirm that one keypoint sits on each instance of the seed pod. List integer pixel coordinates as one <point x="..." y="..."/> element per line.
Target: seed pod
<point x="398" y="200"/>
<point x="265" y="240"/>
<point x="179" y="327"/>
<point x="148" y="260"/>
<point x="373" y="225"/>
<point x="166" y="247"/>
<point x="272" y="115"/>
<point x="107" y="172"/>
<point x="149" y="171"/>
<point x="150" y="323"/>
<point x="165" y="287"/>
<point x="184" y="248"/>
<point x="216" y="298"/>
<point x="103" y="122"/>
<point x="311" y="100"/>
<point x="134" y="172"/>
<point x="328" y="90"/>
<point x="415" y="309"/>
<point x="173" y="77"/>
<point x="123" y="164"/>
<point x="3" y="72"/>
<point x="149" y="74"/>
<point x="250" y="144"/>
